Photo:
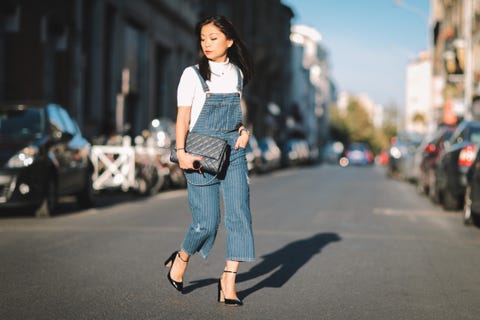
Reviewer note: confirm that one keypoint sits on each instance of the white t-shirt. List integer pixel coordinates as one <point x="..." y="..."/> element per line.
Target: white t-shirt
<point x="224" y="79"/>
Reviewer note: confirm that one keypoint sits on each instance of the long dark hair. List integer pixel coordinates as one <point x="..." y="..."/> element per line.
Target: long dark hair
<point x="237" y="53"/>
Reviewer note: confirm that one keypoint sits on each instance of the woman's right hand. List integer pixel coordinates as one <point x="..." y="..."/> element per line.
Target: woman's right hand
<point x="187" y="161"/>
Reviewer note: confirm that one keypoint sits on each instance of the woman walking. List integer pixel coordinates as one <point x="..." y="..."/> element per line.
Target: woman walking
<point x="209" y="103"/>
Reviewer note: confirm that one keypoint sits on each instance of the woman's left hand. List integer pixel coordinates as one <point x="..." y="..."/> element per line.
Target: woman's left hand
<point x="242" y="141"/>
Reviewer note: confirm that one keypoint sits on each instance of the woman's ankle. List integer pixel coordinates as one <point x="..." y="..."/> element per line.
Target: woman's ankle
<point x="184" y="257"/>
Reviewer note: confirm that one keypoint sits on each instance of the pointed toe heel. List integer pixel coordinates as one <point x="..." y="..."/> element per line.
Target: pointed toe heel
<point x="176" y="284"/>
<point x="169" y="263"/>
<point x="221" y="296"/>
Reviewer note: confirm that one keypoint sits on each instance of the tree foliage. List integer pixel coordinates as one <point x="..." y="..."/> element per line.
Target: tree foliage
<point x="419" y="117"/>
<point x="354" y="124"/>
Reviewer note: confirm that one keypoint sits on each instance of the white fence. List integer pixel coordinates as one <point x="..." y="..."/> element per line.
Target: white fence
<point x="114" y="166"/>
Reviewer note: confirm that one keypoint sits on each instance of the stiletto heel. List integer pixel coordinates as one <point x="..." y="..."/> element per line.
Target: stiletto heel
<point x="169" y="263"/>
<point x="221" y="295"/>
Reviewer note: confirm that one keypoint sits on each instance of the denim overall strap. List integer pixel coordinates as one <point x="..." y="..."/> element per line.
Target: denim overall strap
<point x="240" y="80"/>
<point x="220" y="116"/>
<point x="205" y="85"/>
<point x="221" y="112"/>
<point x="203" y="82"/>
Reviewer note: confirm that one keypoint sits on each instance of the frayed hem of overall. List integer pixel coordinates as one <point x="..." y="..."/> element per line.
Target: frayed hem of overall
<point x="201" y="253"/>
<point x="187" y="252"/>
<point x="241" y="259"/>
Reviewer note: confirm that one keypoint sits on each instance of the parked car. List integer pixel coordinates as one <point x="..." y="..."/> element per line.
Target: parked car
<point x="295" y="152"/>
<point x="453" y="163"/>
<point x="162" y="132"/>
<point x="332" y="152"/>
<point x="271" y="155"/>
<point x="357" y="153"/>
<point x="395" y="151"/>
<point x="471" y="207"/>
<point x="43" y="155"/>
<point x="430" y="151"/>
<point x="161" y="137"/>
<point x="401" y="160"/>
<point x="412" y="158"/>
<point x="314" y="156"/>
<point x="253" y="154"/>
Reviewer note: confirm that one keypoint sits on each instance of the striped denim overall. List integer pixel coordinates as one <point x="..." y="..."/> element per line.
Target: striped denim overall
<point x="220" y="116"/>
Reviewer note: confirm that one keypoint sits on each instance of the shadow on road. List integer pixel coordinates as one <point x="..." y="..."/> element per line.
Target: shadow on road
<point x="286" y="262"/>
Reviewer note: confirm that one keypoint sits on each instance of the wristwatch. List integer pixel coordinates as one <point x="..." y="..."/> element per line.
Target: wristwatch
<point x="244" y="129"/>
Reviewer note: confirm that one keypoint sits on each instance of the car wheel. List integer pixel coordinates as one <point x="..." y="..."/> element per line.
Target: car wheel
<point x="450" y="201"/>
<point x="86" y="198"/>
<point x="467" y="207"/>
<point x="141" y="186"/>
<point x="48" y="205"/>
<point x="157" y="183"/>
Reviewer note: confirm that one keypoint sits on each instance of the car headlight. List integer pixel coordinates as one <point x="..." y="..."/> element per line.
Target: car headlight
<point x="395" y="152"/>
<point x="23" y="158"/>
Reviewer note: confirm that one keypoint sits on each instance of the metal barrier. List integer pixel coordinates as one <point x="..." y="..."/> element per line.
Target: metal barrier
<point x="113" y="167"/>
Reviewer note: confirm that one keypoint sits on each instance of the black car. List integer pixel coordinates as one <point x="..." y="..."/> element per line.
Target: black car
<point x="471" y="208"/>
<point x="431" y="150"/>
<point x="453" y="163"/>
<point x="43" y="155"/>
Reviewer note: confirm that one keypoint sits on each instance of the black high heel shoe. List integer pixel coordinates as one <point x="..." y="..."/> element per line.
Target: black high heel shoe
<point x="221" y="295"/>
<point x="169" y="263"/>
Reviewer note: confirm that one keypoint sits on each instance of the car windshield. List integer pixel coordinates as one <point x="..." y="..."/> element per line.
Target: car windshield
<point x="357" y="147"/>
<point x="22" y="123"/>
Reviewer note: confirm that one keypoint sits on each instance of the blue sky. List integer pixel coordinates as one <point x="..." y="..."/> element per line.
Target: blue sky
<point x="370" y="42"/>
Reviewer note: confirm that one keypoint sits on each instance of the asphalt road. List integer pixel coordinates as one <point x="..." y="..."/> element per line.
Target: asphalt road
<point x="332" y="243"/>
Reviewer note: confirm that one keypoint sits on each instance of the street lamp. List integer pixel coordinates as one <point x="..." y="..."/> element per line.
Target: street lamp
<point x="417" y="11"/>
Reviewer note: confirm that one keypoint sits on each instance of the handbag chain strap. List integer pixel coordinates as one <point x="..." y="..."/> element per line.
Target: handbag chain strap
<point x="201" y="184"/>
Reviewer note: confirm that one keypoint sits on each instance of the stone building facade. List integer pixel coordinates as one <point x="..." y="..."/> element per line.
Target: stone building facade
<point x="115" y="64"/>
<point x="456" y="59"/>
<point x="111" y="63"/>
<point x="265" y="27"/>
<point x="312" y="90"/>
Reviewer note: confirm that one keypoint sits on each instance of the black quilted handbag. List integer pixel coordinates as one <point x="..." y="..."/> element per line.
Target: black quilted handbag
<point x="212" y="149"/>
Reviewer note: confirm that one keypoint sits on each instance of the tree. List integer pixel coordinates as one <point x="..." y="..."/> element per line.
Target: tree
<point x="358" y="122"/>
<point x="353" y="124"/>
<point x="338" y="129"/>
